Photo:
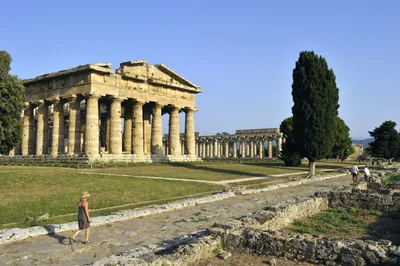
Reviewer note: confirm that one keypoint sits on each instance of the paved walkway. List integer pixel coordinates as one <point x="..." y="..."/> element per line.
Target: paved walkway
<point x="118" y="237"/>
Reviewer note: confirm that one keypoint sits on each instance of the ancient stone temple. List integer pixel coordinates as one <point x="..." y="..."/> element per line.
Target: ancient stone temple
<point x="89" y="111"/>
<point x="245" y="143"/>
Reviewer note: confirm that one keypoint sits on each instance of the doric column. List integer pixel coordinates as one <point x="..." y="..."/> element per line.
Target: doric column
<point x="251" y="149"/>
<point x="174" y="131"/>
<point x="28" y="131"/>
<point x="196" y="149"/>
<point x="156" y="130"/>
<point x="203" y="149"/>
<point x="57" y="146"/>
<point x="42" y="133"/>
<point x="92" y="130"/>
<point x="215" y="151"/>
<point x="146" y="130"/>
<point x="128" y="126"/>
<point x="241" y="148"/>
<point x="189" y="131"/>
<point x="278" y="146"/>
<point x="261" y="147"/>
<point x="115" y="126"/>
<point x="182" y="147"/>
<point x="137" y="133"/>
<point x="234" y="146"/>
<point x="269" y="148"/>
<point x="74" y="128"/>
<point x="226" y="152"/>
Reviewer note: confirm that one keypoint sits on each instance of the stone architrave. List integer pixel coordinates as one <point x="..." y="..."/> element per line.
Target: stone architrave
<point x="42" y="133"/>
<point x="28" y="131"/>
<point x="92" y="130"/>
<point x="74" y="128"/>
<point x="156" y="133"/>
<point x="189" y="132"/>
<point x="57" y="146"/>
<point x="115" y="126"/>
<point x="174" y="136"/>
<point x="128" y="120"/>
<point x="269" y="148"/>
<point x="137" y="133"/>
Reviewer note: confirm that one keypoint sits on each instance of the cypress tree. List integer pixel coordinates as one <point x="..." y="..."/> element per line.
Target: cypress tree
<point x="315" y="97"/>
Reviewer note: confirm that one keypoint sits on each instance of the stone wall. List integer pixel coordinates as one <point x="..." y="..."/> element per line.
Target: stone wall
<point x="249" y="235"/>
<point x="382" y="200"/>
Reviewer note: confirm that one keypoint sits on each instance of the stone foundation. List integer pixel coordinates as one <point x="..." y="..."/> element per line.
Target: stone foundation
<point x="101" y="158"/>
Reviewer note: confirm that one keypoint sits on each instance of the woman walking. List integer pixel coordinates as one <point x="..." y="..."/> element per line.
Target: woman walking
<point x="83" y="218"/>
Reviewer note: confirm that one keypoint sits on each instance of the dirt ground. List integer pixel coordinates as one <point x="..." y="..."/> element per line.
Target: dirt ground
<point x="247" y="260"/>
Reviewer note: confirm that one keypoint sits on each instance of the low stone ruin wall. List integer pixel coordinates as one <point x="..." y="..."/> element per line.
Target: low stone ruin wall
<point x="381" y="200"/>
<point x="257" y="232"/>
<point x="309" y="248"/>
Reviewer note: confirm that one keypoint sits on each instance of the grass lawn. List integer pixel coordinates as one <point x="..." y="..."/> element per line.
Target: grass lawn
<point x="351" y="223"/>
<point x="202" y="171"/>
<point x="391" y="179"/>
<point x="32" y="191"/>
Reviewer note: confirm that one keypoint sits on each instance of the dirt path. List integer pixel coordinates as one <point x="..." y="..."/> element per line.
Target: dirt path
<point x="118" y="237"/>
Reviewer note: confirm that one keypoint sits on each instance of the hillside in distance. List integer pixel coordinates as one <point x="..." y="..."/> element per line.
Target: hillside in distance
<point x="364" y="142"/>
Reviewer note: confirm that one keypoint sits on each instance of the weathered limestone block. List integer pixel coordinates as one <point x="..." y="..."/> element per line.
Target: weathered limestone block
<point x="42" y="133"/>
<point x="57" y="146"/>
<point x="74" y="130"/>
<point x="156" y="133"/>
<point x="28" y="131"/>
<point x="128" y="127"/>
<point x="189" y="132"/>
<point x="116" y="126"/>
<point x="137" y="133"/>
<point x="174" y="136"/>
<point x="92" y="126"/>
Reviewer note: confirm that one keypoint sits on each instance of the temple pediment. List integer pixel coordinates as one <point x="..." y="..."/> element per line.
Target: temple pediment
<point x="155" y="74"/>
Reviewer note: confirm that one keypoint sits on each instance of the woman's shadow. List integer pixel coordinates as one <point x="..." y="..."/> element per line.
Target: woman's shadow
<point x="51" y="229"/>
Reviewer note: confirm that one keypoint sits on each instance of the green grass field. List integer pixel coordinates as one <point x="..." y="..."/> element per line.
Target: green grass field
<point x="32" y="191"/>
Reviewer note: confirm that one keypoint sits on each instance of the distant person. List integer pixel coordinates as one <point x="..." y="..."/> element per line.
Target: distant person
<point x="367" y="174"/>
<point x="354" y="173"/>
<point x="83" y="218"/>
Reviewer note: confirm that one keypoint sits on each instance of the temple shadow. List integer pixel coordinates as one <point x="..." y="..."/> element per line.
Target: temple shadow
<point x="62" y="240"/>
<point x="386" y="226"/>
<point x="216" y="170"/>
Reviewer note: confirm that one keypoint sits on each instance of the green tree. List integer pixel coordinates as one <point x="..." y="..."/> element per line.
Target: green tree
<point x="315" y="97"/>
<point x="386" y="142"/>
<point x="289" y="153"/>
<point x="12" y="95"/>
<point x="343" y="144"/>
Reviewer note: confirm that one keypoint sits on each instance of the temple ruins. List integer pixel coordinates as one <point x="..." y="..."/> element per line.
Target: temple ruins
<point x="245" y="143"/>
<point x="85" y="105"/>
<point x="92" y="113"/>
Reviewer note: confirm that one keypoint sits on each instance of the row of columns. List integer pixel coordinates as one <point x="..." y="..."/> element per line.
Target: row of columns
<point x="216" y="148"/>
<point x="141" y="130"/>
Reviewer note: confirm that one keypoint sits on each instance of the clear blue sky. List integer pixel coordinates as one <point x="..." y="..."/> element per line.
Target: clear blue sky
<point x="241" y="53"/>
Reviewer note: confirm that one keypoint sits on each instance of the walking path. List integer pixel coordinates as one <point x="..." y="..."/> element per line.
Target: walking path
<point x="122" y="236"/>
